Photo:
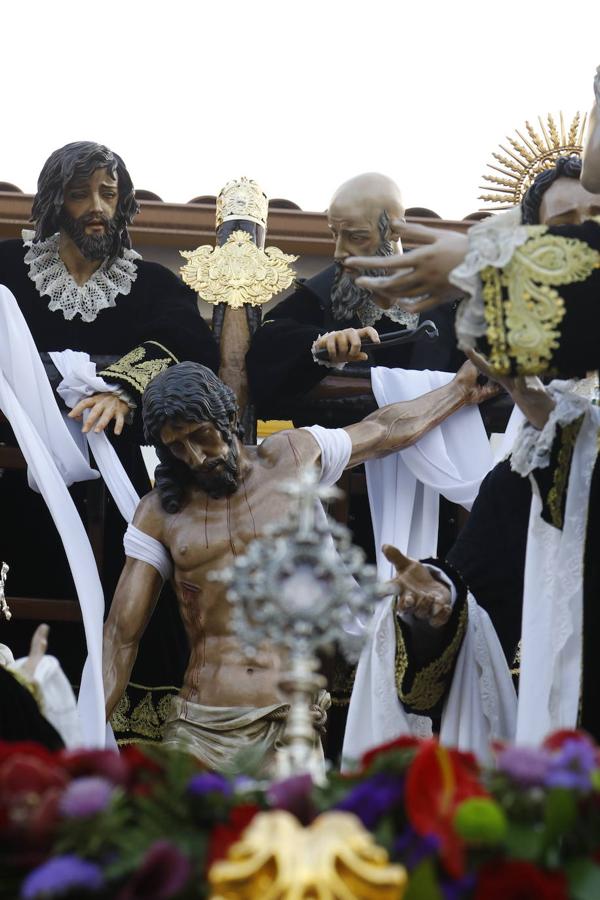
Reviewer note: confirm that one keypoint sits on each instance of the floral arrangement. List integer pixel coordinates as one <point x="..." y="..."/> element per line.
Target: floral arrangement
<point x="150" y="824"/>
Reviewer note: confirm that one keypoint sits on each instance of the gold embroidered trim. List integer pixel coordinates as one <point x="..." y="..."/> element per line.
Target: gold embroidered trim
<point x="494" y="316"/>
<point x="136" y="370"/>
<point x="146" y="717"/>
<point x="525" y="327"/>
<point x="429" y="684"/>
<point x="560" y="477"/>
<point x="164" y="349"/>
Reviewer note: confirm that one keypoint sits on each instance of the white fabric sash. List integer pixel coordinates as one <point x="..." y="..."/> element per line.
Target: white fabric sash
<point x="551" y="639"/>
<point x="142" y="546"/>
<point x="336" y="449"/>
<point x="404" y="496"/>
<point x="55" y="461"/>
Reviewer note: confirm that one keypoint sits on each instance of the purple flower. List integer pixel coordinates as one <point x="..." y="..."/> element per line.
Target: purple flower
<point x="412" y="848"/>
<point x="527" y="766"/>
<point x="458" y="890"/>
<point x="294" y="795"/>
<point x="163" y="873"/>
<point x="209" y="783"/>
<point x="572" y="766"/>
<point x="61" y="874"/>
<point x="373" y="798"/>
<point x="86" y="796"/>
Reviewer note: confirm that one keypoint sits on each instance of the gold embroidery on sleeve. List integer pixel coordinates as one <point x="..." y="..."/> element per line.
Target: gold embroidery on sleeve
<point x="429" y="684"/>
<point x="526" y="326"/>
<point x="560" y="478"/>
<point x="136" y="370"/>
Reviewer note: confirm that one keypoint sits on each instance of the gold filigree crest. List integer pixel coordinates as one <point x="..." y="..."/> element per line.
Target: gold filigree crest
<point x="238" y="272"/>
<point x="334" y="858"/>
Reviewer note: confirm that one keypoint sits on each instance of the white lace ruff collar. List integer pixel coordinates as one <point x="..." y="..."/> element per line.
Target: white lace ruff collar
<point x="52" y="279"/>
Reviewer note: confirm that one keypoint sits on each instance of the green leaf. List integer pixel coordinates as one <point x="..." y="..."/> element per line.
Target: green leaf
<point x="560" y="814"/>
<point x="423" y="883"/>
<point x="584" y="880"/>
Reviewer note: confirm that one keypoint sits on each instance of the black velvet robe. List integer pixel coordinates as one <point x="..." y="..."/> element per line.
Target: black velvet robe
<point x="154" y="326"/>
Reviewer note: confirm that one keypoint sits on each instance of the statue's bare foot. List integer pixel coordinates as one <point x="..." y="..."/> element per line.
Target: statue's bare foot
<point x="37" y="649"/>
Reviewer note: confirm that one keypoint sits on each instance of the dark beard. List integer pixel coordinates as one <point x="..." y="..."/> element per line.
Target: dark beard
<point x="346" y="296"/>
<point x="219" y="478"/>
<point x="92" y="246"/>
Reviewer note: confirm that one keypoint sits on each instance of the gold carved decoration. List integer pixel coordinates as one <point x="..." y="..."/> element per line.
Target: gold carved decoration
<point x="430" y="682"/>
<point x="335" y="858"/>
<point x="525" y="326"/>
<point x="238" y="272"/>
<point x="242" y="198"/>
<point x="530" y="155"/>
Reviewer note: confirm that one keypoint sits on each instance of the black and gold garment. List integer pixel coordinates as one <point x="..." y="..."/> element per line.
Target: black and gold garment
<point x="424" y="675"/>
<point x="542" y="309"/>
<point x="148" y="329"/>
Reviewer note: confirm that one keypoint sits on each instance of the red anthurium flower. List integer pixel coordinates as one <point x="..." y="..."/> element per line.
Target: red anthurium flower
<point x="437" y="782"/>
<point x="406" y="741"/>
<point x="227" y="833"/>
<point x="519" y="880"/>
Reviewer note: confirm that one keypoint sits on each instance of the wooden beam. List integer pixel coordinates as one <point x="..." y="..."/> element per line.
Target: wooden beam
<point x="43" y="610"/>
<point x="187" y="225"/>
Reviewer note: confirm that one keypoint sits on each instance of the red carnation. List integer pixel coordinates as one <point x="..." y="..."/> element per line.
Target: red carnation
<point x="227" y="833"/>
<point x="519" y="880"/>
<point x="107" y="764"/>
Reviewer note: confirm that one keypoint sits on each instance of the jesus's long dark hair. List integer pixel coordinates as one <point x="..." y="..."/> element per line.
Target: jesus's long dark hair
<point x="80" y="160"/>
<point x="187" y="392"/>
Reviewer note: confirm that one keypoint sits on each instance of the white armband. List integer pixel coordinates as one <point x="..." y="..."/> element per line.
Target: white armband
<point x="139" y="545"/>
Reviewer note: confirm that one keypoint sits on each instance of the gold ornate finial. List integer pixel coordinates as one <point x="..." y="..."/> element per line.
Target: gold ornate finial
<point x="529" y="156"/>
<point x="334" y="858"/>
<point x="242" y="198"/>
<point x="237" y="272"/>
<point x="4" y="610"/>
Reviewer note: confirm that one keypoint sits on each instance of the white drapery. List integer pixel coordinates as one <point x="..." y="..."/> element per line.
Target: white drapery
<point x="404" y="489"/>
<point x="54" y="461"/>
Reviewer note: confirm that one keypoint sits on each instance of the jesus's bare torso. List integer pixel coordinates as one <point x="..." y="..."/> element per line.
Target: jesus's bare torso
<point x="206" y="535"/>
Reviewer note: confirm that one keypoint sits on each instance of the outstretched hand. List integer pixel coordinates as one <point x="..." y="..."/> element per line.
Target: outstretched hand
<point x="417" y="590"/>
<point x="418" y="280"/>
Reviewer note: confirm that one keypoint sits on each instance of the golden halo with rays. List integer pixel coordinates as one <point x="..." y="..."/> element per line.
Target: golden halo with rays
<point x="529" y="156"/>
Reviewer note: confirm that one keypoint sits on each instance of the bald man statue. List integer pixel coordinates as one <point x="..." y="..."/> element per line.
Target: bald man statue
<point x="331" y="311"/>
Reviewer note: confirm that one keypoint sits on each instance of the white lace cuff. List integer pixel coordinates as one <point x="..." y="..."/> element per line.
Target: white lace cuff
<point x="491" y="243"/>
<point x="323" y="362"/>
<point x="532" y="446"/>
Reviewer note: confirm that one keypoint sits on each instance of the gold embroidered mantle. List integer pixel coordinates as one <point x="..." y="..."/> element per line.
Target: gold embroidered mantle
<point x="335" y="858"/>
<point x="238" y="272"/>
<point x="523" y="309"/>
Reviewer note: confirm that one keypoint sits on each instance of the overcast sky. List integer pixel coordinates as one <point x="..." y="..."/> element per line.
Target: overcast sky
<point x="299" y="96"/>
